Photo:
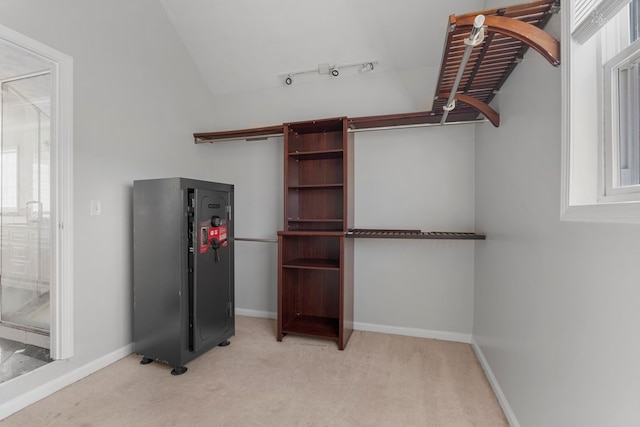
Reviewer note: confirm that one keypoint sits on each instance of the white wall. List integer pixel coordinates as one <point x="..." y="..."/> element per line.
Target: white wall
<point x="256" y="169"/>
<point x="415" y="179"/>
<point x="556" y="312"/>
<point x="137" y="100"/>
<point x="352" y="95"/>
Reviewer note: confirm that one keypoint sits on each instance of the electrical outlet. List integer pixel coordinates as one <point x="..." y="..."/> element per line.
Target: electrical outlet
<point x="96" y="207"/>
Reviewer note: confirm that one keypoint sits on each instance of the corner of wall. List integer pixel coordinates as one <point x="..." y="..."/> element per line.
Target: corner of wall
<point x="502" y="399"/>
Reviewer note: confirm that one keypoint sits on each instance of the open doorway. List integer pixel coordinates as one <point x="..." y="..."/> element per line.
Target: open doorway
<point x="35" y="205"/>
<point x="25" y="203"/>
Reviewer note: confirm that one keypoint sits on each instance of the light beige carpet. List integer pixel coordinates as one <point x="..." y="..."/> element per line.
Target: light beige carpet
<point x="378" y="380"/>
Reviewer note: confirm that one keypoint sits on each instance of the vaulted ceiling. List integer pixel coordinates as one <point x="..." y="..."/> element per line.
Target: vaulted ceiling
<point x="244" y="45"/>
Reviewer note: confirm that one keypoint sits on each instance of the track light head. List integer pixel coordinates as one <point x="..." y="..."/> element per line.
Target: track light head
<point x="366" y="67"/>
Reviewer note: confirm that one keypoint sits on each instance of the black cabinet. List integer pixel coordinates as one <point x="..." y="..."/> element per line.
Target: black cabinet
<point x="183" y="283"/>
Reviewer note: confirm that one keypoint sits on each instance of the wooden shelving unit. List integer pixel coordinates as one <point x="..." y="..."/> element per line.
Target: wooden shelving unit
<point x="315" y="275"/>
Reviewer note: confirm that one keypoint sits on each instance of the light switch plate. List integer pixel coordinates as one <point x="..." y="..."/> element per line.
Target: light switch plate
<point x="96" y="207"/>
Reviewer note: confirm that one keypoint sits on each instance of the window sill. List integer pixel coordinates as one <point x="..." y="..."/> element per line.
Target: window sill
<point x="623" y="213"/>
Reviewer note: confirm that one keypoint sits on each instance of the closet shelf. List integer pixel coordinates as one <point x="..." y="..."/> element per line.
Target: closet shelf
<point x="316" y="187"/>
<point x="317" y="155"/>
<point x="312" y="264"/>
<point x="232" y="135"/>
<point x="311" y="233"/>
<point x="409" y="119"/>
<point x="411" y="234"/>
<point x="313" y="326"/>
<point x="354" y="123"/>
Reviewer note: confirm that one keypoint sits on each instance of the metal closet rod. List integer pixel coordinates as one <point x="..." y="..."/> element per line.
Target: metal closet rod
<point x="392" y="127"/>
<point x="255" y="239"/>
<point x="241" y="138"/>
<point x="419" y="125"/>
<point x="475" y="38"/>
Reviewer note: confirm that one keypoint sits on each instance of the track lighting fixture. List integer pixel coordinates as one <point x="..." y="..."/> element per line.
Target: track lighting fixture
<point x="333" y="70"/>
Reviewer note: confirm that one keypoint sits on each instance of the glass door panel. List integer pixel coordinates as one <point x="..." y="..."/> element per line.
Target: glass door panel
<point x="25" y="203"/>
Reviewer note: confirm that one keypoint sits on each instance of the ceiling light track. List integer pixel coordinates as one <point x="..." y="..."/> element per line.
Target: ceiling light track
<point x="329" y="69"/>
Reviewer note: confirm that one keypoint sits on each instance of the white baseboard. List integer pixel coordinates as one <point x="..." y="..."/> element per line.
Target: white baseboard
<point x="413" y="332"/>
<point x="371" y="327"/>
<point x="58" y="383"/>
<point x="502" y="399"/>
<point x="256" y="313"/>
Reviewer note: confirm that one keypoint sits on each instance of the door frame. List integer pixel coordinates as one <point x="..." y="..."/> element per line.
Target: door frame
<point x="61" y="169"/>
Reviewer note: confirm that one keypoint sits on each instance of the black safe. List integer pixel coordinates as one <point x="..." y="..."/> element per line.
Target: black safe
<point x="183" y="269"/>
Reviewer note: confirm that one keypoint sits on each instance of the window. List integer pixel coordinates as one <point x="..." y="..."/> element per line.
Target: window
<point x="601" y="111"/>
<point x="628" y="91"/>
<point x="621" y="91"/>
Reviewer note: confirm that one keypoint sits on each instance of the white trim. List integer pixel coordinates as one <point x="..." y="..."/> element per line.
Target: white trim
<point x="414" y="332"/>
<point x="502" y="399"/>
<point x="62" y="314"/>
<point x="256" y="313"/>
<point x="565" y="117"/>
<point x="47" y="389"/>
<point x="627" y="213"/>
<point x="61" y="181"/>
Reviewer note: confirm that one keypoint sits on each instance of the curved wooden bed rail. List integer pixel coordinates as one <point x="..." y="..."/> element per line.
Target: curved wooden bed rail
<point x="477" y="105"/>
<point x="534" y="37"/>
